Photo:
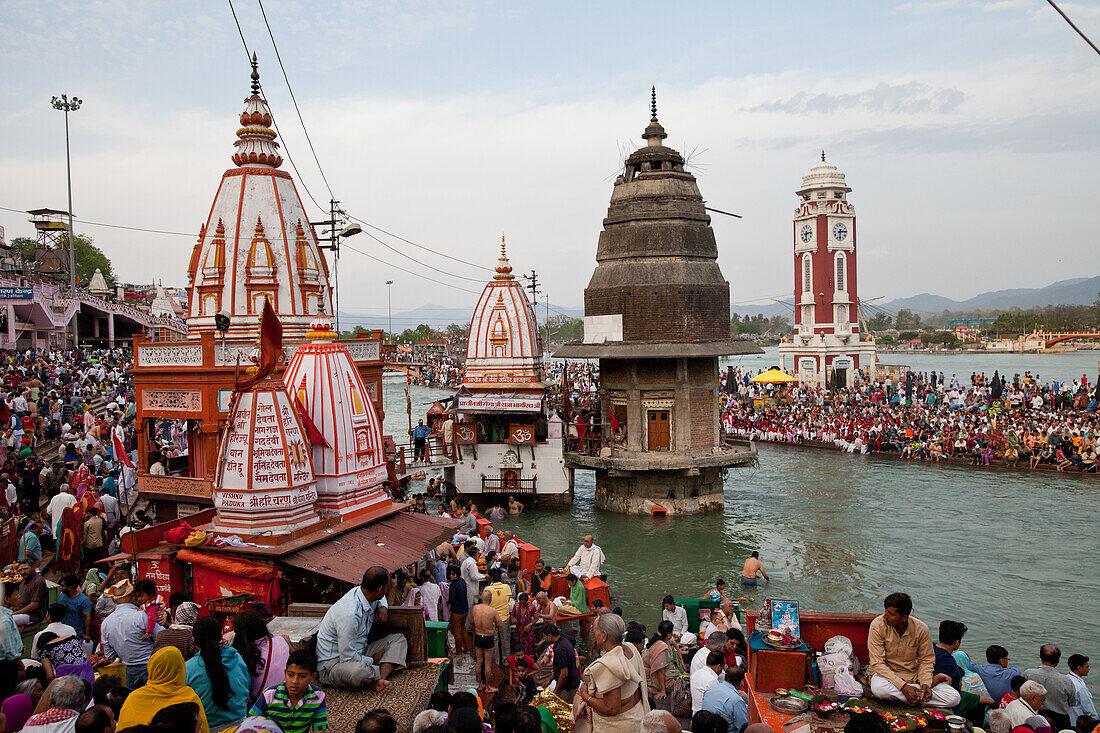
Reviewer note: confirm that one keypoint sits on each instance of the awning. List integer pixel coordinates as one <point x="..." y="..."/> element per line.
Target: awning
<point x="393" y="543"/>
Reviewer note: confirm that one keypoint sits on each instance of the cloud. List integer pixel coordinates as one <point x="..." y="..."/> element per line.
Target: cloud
<point x="909" y="98"/>
<point x="921" y="8"/>
<point x="1003" y="5"/>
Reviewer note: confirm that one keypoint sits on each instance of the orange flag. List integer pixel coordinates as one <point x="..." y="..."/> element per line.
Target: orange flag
<point x="271" y="343"/>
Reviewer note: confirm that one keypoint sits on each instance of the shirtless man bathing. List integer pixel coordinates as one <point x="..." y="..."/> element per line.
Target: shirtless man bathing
<point x="486" y="621"/>
<point x="753" y="567"/>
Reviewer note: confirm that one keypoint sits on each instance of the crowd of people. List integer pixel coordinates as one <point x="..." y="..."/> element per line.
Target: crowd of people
<point x="930" y="417"/>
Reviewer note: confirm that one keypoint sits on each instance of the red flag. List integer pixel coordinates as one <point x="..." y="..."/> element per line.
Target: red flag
<point x="614" y="422"/>
<point x="120" y="450"/>
<point x="314" y="434"/>
<point x="271" y="342"/>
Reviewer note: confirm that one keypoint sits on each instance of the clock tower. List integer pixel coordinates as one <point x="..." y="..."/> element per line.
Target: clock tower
<point x="826" y="348"/>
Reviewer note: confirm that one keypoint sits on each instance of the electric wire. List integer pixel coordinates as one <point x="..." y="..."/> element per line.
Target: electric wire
<point x="294" y="99"/>
<point x="1074" y="26"/>
<point x="275" y="124"/>
<point x="423" y="264"/>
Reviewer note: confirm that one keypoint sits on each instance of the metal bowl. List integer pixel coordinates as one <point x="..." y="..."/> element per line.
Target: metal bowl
<point x="788" y="704"/>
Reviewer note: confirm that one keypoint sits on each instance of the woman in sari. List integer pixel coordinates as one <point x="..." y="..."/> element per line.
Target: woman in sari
<point x="664" y="668"/>
<point x="612" y="688"/>
<point x="523" y="618"/>
<point x="167" y="685"/>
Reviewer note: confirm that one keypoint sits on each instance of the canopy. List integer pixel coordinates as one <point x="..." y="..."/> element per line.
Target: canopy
<point x="774" y="376"/>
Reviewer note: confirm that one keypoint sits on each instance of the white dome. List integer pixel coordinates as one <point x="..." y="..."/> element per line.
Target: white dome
<point x="351" y="469"/>
<point x="823" y="177"/>
<point x="504" y="347"/>
<point x="256" y="242"/>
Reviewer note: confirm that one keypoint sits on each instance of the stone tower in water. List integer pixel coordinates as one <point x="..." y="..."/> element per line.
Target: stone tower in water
<point x="657" y="316"/>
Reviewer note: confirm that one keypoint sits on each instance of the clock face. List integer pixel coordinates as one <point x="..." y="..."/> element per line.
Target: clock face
<point x="840" y="231"/>
<point x="807" y="234"/>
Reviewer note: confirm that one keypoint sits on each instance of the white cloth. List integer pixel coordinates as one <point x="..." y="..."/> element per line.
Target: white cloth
<point x="701" y="681"/>
<point x="943" y="694"/>
<point x="587" y="561"/>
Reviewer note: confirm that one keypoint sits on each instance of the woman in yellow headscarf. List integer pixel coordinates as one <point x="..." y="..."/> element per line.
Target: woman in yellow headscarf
<point x="167" y="685"/>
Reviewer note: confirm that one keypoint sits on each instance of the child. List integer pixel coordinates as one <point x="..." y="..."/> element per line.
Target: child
<point x="520" y="677"/>
<point x="297" y="705"/>
<point x="149" y="600"/>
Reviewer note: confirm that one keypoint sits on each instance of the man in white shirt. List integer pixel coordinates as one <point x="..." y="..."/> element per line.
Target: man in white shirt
<point x="587" y="561"/>
<point x="1032" y="697"/>
<point x="705" y="677"/>
<point x="110" y="507"/>
<point x="678" y="617"/>
<point x="473" y="579"/>
<point x="1078" y="669"/>
<point x="59" y="504"/>
<point x="716" y="642"/>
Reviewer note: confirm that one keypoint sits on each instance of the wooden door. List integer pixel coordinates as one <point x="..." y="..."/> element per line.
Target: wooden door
<point x="659" y="432"/>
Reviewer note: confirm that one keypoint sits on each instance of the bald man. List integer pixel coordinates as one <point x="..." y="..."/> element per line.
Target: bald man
<point x="587" y="561"/>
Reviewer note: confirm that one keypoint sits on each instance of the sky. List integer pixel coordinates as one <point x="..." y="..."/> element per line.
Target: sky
<point x="969" y="131"/>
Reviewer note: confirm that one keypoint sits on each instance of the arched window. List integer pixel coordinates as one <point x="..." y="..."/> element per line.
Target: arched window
<point x="841" y="314"/>
<point x="807" y="274"/>
<point x="840" y="267"/>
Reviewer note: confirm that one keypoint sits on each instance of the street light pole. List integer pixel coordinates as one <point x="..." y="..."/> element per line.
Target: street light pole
<point x="67" y="105"/>
<point x="389" y="305"/>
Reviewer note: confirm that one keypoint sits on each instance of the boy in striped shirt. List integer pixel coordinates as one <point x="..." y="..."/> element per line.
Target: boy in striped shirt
<point x="297" y="705"/>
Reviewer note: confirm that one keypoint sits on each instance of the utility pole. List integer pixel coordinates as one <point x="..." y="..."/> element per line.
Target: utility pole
<point x="389" y="306"/>
<point x="337" y="230"/>
<point x="67" y="105"/>
<point x="533" y="286"/>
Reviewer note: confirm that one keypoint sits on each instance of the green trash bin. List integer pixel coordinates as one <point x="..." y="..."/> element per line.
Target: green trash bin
<point x="436" y="638"/>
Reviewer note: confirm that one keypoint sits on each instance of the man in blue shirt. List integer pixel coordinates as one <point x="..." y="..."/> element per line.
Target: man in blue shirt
<point x="726" y="702"/>
<point x="344" y="658"/>
<point x="420" y="441"/>
<point x="30" y="549"/>
<point x="997" y="675"/>
<point x="78" y="608"/>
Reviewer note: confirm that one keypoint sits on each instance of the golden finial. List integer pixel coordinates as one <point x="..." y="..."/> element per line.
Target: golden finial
<point x="504" y="268"/>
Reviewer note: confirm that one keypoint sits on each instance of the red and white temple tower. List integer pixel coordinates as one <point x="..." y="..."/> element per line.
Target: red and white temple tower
<point x="826" y="348"/>
<point x="349" y="463"/>
<point x="255" y="244"/>
<point x="508" y="442"/>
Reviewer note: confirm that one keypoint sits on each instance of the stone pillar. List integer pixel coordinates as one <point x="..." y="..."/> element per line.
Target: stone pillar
<point x="95" y="328"/>
<point x="111" y="329"/>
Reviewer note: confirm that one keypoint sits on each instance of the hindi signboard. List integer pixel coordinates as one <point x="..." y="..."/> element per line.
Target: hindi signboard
<point x="471" y="403"/>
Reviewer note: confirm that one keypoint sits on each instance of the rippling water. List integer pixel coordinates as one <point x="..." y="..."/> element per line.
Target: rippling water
<point x="1010" y="553"/>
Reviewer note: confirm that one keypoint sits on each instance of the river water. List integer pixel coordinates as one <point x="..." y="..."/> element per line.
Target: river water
<point x="1011" y="554"/>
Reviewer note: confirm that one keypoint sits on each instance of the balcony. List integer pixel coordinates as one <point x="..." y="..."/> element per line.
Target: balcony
<point x="499" y="485"/>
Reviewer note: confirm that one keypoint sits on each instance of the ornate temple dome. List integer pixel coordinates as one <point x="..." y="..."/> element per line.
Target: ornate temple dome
<point x="350" y="469"/>
<point x="256" y="242"/>
<point x="657" y="266"/>
<point x="265" y="484"/>
<point x="504" y="347"/>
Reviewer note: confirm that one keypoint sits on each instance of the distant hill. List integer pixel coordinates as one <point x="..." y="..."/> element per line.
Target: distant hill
<point x="1076" y="291"/>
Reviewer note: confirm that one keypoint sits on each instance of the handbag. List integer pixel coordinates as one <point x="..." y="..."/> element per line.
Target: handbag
<point x="681" y="698"/>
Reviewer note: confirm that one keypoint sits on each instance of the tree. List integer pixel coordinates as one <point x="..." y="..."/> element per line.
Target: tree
<point x="879" y="322"/>
<point x="564" y="329"/>
<point x="907" y="320"/>
<point x="458" y="329"/>
<point x="88" y="257"/>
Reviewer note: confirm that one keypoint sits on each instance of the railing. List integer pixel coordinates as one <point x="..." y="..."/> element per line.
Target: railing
<point x="589" y="445"/>
<point x="498" y="485"/>
<point x="405" y="455"/>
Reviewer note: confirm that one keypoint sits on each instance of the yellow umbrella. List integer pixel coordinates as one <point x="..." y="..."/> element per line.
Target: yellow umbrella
<point x="774" y="376"/>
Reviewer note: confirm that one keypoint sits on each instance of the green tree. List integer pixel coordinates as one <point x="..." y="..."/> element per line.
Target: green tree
<point x="88" y="257"/>
<point x="907" y="320"/>
<point x="458" y="329"/>
<point x="879" y="322"/>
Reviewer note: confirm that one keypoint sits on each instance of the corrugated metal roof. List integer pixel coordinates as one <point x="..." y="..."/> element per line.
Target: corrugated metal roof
<point x="393" y="542"/>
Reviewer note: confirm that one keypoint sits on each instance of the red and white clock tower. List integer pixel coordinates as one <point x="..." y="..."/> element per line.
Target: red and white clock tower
<point x="826" y="348"/>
